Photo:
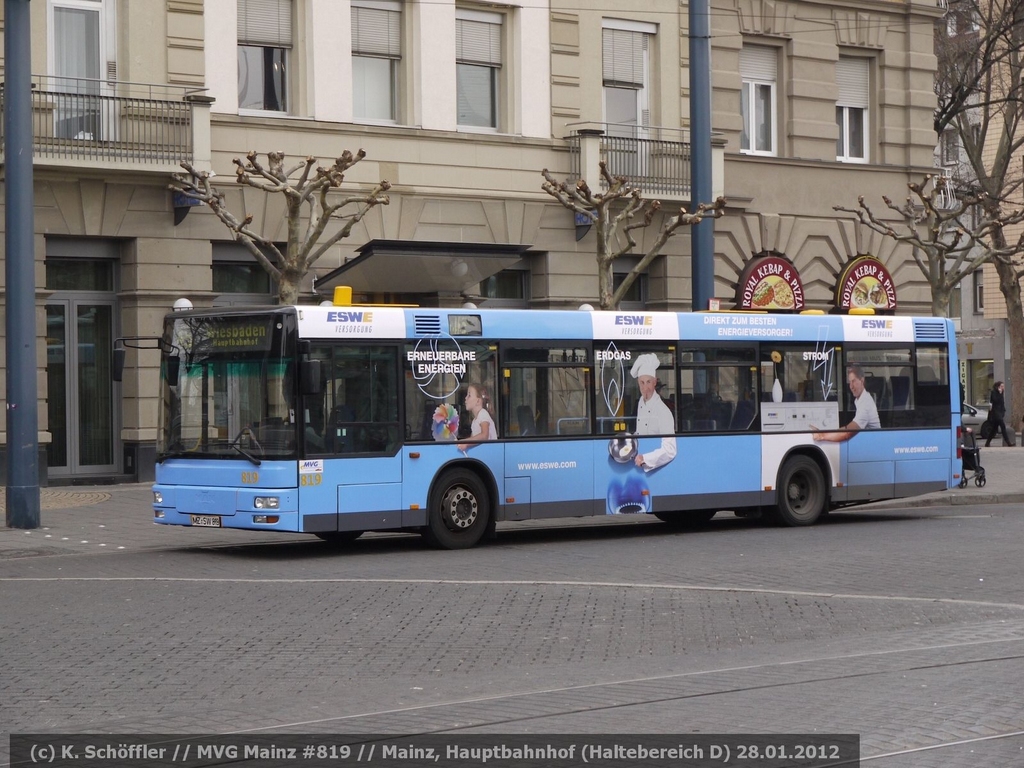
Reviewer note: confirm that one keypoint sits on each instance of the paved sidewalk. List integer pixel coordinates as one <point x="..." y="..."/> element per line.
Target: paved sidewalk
<point x="85" y="519"/>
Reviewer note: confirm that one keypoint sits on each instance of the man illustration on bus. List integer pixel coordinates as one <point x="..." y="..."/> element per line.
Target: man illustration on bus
<point x="653" y="417"/>
<point x="866" y="416"/>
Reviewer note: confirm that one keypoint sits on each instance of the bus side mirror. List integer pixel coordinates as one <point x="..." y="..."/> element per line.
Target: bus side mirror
<point x="173" y="367"/>
<point x="118" y="362"/>
<point x="309" y="374"/>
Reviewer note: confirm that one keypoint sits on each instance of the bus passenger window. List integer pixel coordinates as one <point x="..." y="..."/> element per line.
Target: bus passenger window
<point x="439" y="374"/>
<point x="547" y="390"/>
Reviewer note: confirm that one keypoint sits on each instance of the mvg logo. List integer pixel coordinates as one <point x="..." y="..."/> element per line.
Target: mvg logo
<point x="350" y="317"/>
<point x="310" y="466"/>
<point x="874" y="324"/>
<point x="634" y="320"/>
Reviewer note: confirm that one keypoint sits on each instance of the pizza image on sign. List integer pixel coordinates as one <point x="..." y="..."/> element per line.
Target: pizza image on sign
<point x="866" y="284"/>
<point x="773" y="293"/>
<point x="868" y="292"/>
<point x="770" y="282"/>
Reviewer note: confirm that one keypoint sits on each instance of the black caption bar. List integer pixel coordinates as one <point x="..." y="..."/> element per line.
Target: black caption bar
<point x="787" y="750"/>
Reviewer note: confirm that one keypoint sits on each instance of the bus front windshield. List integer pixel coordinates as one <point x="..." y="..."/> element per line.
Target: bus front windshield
<point x="228" y="388"/>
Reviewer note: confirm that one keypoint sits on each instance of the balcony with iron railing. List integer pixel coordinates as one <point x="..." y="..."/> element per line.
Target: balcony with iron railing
<point x="656" y="160"/>
<point x="88" y="123"/>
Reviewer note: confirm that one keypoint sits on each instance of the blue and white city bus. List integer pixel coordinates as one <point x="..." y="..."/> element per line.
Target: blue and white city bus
<point x="335" y="420"/>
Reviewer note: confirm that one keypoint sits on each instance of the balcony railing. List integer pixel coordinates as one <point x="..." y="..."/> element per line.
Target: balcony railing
<point x="657" y="160"/>
<point x="101" y="121"/>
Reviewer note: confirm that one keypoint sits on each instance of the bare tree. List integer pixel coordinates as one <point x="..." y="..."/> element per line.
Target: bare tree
<point x="943" y="248"/>
<point x="310" y="206"/>
<point x="616" y="214"/>
<point x="980" y="52"/>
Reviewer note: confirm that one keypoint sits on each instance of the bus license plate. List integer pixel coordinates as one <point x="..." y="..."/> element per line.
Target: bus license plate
<point x="206" y="521"/>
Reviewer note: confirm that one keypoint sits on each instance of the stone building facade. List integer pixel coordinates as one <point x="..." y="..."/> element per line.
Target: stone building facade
<point x="459" y="106"/>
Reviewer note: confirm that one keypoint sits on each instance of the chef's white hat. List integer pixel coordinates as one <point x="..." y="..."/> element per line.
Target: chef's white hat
<point x="645" y="365"/>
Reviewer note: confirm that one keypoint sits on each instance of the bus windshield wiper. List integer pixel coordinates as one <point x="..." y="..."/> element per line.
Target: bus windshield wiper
<point x="247" y="434"/>
<point x="245" y="453"/>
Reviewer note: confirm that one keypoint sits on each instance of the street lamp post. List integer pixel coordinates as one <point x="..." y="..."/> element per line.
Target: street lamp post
<point x="702" y="235"/>
<point x="22" y="395"/>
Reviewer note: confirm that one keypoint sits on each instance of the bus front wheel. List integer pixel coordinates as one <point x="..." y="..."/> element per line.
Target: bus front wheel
<point x="459" y="510"/>
<point x="801" y="492"/>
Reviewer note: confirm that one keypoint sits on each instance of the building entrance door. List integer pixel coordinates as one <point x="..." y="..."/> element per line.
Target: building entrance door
<point x="80" y="391"/>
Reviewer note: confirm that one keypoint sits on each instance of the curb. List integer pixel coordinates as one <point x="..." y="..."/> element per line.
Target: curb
<point x="945" y="499"/>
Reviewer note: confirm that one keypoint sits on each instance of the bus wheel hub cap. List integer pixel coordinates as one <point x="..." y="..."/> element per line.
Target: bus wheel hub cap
<point x="460" y="507"/>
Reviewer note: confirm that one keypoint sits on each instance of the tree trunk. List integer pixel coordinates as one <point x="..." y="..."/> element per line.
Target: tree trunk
<point x="1009" y="285"/>
<point x="289" y="288"/>
<point x="940" y="301"/>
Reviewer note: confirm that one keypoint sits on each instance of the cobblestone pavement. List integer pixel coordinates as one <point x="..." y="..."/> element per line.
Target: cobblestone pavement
<point x="905" y="625"/>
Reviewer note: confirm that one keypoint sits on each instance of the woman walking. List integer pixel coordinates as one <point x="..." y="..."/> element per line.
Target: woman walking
<point x="996" y="414"/>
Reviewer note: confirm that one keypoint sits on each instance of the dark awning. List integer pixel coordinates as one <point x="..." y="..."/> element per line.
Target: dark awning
<point x="402" y="266"/>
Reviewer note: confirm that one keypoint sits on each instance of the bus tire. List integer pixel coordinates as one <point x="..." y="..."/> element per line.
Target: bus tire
<point x="460" y="510"/>
<point x="694" y="518"/>
<point x="339" y="538"/>
<point x="802" y="495"/>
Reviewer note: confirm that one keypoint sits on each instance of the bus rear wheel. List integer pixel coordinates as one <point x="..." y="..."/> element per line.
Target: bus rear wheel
<point x="801" y="492"/>
<point x="460" y="510"/>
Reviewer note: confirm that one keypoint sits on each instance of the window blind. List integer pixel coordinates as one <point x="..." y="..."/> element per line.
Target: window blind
<point x="376" y="32"/>
<point x="477" y="42"/>
<point x="853" y="76"/>
<point x="623" y="57"/>
<point x="265" y="22"/>
<point x="759" y="62"/>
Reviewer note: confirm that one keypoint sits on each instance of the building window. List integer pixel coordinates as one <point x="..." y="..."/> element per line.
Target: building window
<point x="264" y="44"/>
<point x="509" y="288"/>
<point x="978" y="279"/>
<point x="376" y="57"/>
<point x="853" y="76"/>
<point x="239" y="278"/>
<point x="636" y="295"/>
<point x="949" y="147"/>
<point x="477" y="68"/>
<point x="626" y="77"/>
<point x="982" y="377"/>
<point x="83" y="65"/>
<point x="759" y="74"/>
<point x="626" y="74"/>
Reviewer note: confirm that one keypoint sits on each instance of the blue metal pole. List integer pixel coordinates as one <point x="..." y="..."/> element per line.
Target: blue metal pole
<point x="702" y="236"/>
<point x="22" y="392"/>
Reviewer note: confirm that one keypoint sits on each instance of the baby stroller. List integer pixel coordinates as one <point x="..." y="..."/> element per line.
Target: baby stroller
<point x="971" y="455"/>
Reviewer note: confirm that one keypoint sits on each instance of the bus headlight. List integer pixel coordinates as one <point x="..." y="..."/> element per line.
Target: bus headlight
<point x="158" y="498"/>
<point x="267" y="502"/>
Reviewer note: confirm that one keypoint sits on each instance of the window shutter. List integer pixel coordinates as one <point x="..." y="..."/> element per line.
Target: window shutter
<point x="853" y="76"/>
<point x="759" y="62"/>
<point x="477" y="42"/>
<point x="265" y="22"/>
<point x="376" y="32"/>
<point x="623" y="57"/>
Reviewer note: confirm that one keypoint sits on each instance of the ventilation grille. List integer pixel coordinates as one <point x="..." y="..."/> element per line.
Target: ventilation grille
<point x="428" y="325"/>
<point x="930" y="330"/>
